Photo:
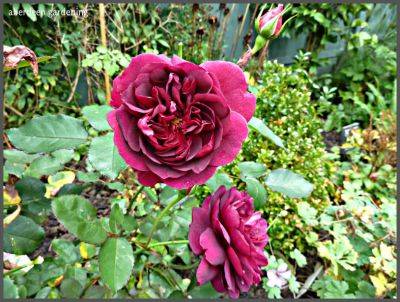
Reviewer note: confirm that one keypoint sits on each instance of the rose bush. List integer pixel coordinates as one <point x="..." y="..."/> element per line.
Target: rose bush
<point x="175" y="122"/>
<point x="231" y="237"/>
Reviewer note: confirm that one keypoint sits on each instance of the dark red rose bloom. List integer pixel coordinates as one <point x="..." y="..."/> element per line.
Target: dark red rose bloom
<point x="231" y="237"/>
<point x="175" y="122"/>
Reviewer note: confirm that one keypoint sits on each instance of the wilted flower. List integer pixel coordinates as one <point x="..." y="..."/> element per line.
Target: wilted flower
<point x="231" y="237"/>
<point x="14" y="55"/>
<point x="175" y="122"/>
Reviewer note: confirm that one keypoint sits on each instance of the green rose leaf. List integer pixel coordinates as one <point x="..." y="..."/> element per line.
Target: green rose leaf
<point x="259" y="126"/>
<point x="71" y="288"/>
<point x="116" y="262"/>
<point x="30" y="190"/>
<point x="289" y="183"/>
<point x="48" y="133"/>
<point x="116" y="219"/>
<point x="251" y="169"/>
<point x="104" y="156"/>
<point x="66" y="250"/>
<point x="47" y="165"/>
<point x="79" y="216"/>
<point x="257" y="191"/>
<point x="22" y="236"/>
<point x="17" y="156"/>
<point x="219" y="179"/>
<point x="10" y="289"/>
<point x="97" y="116"/>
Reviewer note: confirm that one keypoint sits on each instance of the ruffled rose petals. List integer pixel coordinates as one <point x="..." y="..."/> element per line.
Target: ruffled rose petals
<point x="230" y="237"/>
<point x="175" y="122"/>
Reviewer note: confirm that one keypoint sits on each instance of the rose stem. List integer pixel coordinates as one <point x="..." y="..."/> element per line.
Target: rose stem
<point x="161" y="215"/>
<point x="183" y="241"/>
<point x="104" y="43"/>
<point x="134" y="199"/>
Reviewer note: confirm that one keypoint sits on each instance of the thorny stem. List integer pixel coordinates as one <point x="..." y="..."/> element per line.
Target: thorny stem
<point x="161" y="215"/>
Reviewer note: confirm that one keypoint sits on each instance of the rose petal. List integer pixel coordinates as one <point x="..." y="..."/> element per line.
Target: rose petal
<point x="233" y="85"/>
<point x="218" y="283"/>
<point x="131" y="157"/>
<point x="240" y="243"/>
<point x="205" y="272"/>
<point x="147" y="178"/>
<point x="235" y="132"/>
<point x="129" y="75"/>
<point x="200" y="222"/>
<point x="230" y="280"/>
<point x="235" y="261"/>
<point x="190" y="179"/>
<point x="214" y="253"/>
<point x="129" y="129"/>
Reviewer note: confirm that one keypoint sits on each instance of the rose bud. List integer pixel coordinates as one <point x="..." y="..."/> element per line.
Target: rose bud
<point x="231" y="238"/>
<point x="175" y="122"/>
<point x="270" y="24"/>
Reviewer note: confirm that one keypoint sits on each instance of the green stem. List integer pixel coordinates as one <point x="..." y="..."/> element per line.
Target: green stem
<point x="17" y="269"/>
<point x="134" y="199"/>
<point x="183" y="241"/>
<point x="183" y="267"/>
<point x="161" y="215"/>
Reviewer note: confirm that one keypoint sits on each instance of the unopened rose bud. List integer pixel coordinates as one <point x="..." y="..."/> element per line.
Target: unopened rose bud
<point x="269" y="25"/>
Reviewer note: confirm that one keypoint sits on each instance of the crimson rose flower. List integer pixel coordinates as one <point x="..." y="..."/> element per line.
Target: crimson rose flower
<point x="231" y="237"/>
<point x="175" y="122"/>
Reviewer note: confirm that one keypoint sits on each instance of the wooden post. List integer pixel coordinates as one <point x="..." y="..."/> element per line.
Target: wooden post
<point x="103" y="31"/>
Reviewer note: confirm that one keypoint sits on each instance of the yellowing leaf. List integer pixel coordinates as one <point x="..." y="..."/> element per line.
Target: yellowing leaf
<point x="10" y="218"/>
<point x="11" y="196"/>
<point x="386" y="251"/>
<point x="56" y="181"/>
<point x="381" y="284"/>
<point x="83" y="250"/>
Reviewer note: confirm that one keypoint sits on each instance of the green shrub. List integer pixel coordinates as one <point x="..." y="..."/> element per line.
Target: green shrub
<point x="284" y="105"/>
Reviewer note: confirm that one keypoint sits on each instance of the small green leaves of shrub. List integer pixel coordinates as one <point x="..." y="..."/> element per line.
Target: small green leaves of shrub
<point x="298" y="257"/>
<point x="104" y="156"/>
<point x="116" y="262"/>
<point x="289" y="183"/>
<point x="48" y="133"/>
<point x="79" y="217"/>
<point x="97" y="116"/>
<point x="251" y="169"/>
<point x="219" y="179"/>
<point x="259" y="126"/>
<point x="22" y="236"/>
<point x="307" y="213"/>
